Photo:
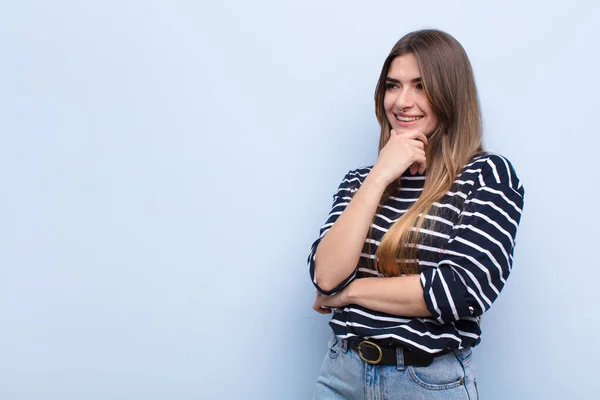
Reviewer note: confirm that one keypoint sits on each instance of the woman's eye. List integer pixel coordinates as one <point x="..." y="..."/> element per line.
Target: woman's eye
<point x="419" y="86"/>
<point x="390" y="86"/>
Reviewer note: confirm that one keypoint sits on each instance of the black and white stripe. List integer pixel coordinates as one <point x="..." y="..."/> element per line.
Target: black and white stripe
<point x="464" y="261"/>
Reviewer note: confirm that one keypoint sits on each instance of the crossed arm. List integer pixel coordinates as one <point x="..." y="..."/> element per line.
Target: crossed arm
<point x="340" y="251"/>
<point x="401" y="295"/>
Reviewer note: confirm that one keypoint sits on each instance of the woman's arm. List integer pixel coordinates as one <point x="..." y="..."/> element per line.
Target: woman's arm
<point x="477" y="259"/>
<point x="401" y="296"/>
<point x="339" y="251"/>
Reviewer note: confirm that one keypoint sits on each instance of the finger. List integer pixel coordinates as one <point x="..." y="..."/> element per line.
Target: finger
<point x="414" y="168"/>
<point x="421" y="161"/>
<point x="417" y="155"/>
<point x="417" y="143"/>
<point x="417" y="135"/>
<point x="316" y="306"/>
<point x="320" y="309"/>
<point x="420" y="158"/>
<point x="420" y="152"/>
<point x="422" y="168"/>
<point x="422" y="137"/>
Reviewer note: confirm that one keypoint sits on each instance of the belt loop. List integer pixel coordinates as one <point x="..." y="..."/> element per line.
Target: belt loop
<point x="345" y="345"/>
<point x="399" y="358"/>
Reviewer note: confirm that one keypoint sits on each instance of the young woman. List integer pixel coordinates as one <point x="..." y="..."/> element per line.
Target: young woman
<point x="417" y="247"/>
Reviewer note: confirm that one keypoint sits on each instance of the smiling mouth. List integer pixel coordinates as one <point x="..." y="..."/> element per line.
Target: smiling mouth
<point x="408" y="119"/>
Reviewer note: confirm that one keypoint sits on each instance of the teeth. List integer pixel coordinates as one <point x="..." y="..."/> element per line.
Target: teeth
<point x="407" y="119"/>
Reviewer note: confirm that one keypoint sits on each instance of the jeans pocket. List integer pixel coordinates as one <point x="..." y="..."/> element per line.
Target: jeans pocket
<point x="445" y="372"/>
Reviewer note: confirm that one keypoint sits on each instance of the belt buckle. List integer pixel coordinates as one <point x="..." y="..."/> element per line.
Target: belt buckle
<point x="360" y="354"/>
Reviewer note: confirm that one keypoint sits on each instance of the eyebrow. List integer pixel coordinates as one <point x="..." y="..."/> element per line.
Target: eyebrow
<point x="393" y="80"/>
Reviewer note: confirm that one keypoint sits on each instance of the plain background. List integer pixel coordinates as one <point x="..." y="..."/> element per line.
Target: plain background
<point x="165" y="167"/>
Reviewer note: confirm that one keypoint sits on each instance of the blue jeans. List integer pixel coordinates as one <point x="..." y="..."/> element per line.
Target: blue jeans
<point x="345" y="376"/>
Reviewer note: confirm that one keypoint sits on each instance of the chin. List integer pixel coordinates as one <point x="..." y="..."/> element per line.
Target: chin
<point x="418" y="127"/>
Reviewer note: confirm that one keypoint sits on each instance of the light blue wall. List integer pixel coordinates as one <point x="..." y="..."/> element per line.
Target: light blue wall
<point x="165" y="166"/>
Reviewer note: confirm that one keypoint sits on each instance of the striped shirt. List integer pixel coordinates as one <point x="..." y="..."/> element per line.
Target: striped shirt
<point x="463" y="262"/>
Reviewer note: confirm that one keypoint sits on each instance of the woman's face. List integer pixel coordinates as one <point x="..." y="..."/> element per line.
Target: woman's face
<point x="406" y="104"/>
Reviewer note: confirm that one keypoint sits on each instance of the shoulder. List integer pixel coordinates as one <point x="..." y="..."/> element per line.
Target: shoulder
<point x="492" y="169"/>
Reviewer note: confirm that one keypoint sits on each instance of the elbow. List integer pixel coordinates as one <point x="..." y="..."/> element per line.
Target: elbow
<point x="453" y="314"/>
<point x="329" y="279"/>
<point x="323" y="281"/>
<point x="448" y="299"/>
<point x="324" y="284"/>
<point x="330" y="284"/>
<point x="444" y="309"/>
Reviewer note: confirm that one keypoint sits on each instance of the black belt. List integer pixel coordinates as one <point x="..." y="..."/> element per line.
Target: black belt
<point x="384" y="352"/>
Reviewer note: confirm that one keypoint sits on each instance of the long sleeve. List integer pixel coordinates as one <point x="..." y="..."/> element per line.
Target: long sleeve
<point x="341" y="199"/>
<point x="477" y="258"/>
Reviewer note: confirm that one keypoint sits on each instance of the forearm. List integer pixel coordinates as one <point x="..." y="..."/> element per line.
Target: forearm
<point x="401" y="296"/>
<point x="338" y="253"/>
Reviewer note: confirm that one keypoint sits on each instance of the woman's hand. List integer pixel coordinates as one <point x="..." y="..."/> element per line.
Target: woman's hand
<point x="402" y="151"/>
<point x="324" y="304"/>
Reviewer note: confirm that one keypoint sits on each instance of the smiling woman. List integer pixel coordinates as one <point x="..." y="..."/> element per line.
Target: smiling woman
<point x="417" y="247"/>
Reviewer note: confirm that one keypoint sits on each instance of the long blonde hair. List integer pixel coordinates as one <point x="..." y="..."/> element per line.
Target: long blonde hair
<point x="449" y="83"/>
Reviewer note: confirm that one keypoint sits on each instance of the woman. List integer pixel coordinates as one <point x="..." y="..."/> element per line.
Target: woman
<point x="417" y="247"/>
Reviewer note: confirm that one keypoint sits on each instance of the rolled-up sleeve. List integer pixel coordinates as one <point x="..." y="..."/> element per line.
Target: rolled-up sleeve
<point x="477" y="259"/>
<point x="341" y="199"/>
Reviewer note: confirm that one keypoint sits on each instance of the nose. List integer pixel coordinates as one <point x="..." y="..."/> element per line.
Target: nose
<point x="405" y="99"/>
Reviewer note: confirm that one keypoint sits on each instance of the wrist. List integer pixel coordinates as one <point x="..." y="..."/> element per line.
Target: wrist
<point x="376" y="181"/>
<point x="351" y="292"/>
